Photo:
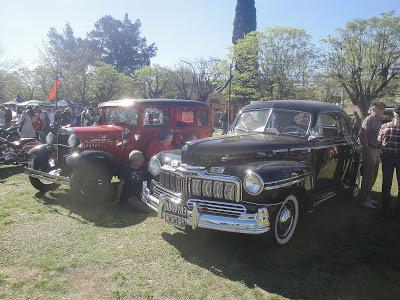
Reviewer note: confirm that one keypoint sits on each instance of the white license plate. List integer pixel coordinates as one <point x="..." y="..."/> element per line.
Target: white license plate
<point x="175" y="214"/>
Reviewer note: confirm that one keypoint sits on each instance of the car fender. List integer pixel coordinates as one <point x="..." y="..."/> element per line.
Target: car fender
<point x="93" y="156"/>
<point x="40" y="150"/>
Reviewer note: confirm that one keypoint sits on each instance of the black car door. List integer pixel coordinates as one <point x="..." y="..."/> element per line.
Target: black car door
<point x="327" y="154"/>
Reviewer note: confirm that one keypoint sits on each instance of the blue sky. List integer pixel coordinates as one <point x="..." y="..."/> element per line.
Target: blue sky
<point x="182" y="29"/>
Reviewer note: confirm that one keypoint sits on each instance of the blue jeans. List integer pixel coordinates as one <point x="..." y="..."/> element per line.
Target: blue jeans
<point x="389" y="163"/>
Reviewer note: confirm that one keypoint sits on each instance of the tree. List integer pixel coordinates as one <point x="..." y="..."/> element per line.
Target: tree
<point x="365" y="57"/>
<point x="120" y="44"/>
<point x="105" y="83"/>
<point x="28" y="79"/>
<point x="245" y="19"/>
<point x="182" y="77"/>
<point x="287" y="60"/>
<point x="154" y="81"/>
<point x="246" y="75"/>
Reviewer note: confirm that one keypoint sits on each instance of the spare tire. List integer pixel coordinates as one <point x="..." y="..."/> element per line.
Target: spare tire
<point x="91" y="183"/>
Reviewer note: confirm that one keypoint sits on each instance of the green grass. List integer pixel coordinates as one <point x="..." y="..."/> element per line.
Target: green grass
<point x="52" y="249"/>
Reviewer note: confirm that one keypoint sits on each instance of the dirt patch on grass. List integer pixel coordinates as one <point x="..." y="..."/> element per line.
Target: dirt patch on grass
<point x="85" y="282"/>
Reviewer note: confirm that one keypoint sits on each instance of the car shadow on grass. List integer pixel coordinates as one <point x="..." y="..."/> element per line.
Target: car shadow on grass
<point x="100" y="214"/>
<point x="341" y="251"/>
<point x="8" y="171"/>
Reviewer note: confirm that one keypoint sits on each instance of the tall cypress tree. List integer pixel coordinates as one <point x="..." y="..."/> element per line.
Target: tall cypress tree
<point x="245" y="19"/>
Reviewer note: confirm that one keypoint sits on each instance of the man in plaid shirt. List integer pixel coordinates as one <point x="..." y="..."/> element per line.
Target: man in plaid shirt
<point x="389" y="138"/>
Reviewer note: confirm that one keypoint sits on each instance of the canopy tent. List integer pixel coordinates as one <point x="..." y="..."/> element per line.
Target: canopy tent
<point x="34" y="103"/>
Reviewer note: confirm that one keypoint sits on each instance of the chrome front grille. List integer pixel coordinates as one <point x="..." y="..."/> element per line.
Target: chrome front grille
<point x="209" y="186"/>
<point x="159" y="190"/>
<point x="217" y="208"/>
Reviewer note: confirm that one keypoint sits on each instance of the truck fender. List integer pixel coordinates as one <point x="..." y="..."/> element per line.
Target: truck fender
<point x="93" y="156"/>
<point x="40" y="150"/>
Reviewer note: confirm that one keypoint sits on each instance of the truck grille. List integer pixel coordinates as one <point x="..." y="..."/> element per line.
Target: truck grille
<point x="199" y="187"/>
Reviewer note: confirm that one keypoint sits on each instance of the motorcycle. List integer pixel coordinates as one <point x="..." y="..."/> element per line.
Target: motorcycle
<point x="11" y="133"/>
<point x="13" y="153"/>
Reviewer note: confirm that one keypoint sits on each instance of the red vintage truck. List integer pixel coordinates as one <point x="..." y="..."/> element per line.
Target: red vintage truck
<point x="88" y="157"/>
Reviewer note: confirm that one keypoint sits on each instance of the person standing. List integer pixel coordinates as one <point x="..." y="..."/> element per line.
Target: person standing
<point x="7" y="117"/>
<point x="224" y="122"/>
<point x="356" y="124"/>
<point x="370" y="153"/>
<point x="44" y="125"/>
<point x="389" y="138"/>
<point x="26" y="124"/>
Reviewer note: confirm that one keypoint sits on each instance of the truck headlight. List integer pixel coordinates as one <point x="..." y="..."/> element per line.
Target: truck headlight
<point x="49" y="138"/>
<point x="154" y="166"/>
<point x="72" y="141"/>
<point x="253" y="183"/>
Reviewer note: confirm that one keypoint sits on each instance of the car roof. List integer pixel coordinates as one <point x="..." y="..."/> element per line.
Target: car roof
<point x="311" y="106"/>
<point x="131" y="102"/>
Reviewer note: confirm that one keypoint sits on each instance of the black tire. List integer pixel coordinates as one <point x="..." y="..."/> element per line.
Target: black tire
<point x="286" y="219"/>
<point x="39" y="184"/>
<point x="91" y="183"/>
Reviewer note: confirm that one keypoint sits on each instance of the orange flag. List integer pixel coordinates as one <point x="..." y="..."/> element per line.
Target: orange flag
<point x="53" y="92"/>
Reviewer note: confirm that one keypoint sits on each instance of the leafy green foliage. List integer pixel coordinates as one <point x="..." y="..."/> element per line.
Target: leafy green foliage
<point x="364" y="57"/>
<point x="120" y="44"/>
<point x="153" y="82"/>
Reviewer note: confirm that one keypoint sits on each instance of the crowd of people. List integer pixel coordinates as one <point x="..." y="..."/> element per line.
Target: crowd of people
<point x="380" y="143"/>
<point x="36" y="122"/>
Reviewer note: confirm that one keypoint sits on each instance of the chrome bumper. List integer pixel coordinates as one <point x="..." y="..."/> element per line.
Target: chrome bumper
<point x="46" y="176"/>
<point x="256" y="223"/>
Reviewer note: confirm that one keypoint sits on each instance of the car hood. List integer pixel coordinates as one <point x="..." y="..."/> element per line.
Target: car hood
<point x="96" y="134"/>
<point x="225" y="149"/>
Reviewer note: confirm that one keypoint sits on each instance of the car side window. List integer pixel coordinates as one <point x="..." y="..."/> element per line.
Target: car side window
<point x="328" y="124"/>
<point x="184" y="117"/>
<point x="203" y="117"/>
<point x="346" y="129"/>
<point x="155" y="116"/>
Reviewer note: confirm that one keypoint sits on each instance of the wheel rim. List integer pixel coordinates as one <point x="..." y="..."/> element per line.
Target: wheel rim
<point x="286" y="220"/>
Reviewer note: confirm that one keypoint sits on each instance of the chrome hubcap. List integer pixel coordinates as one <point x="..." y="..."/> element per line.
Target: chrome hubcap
<point x="285" y="219"/>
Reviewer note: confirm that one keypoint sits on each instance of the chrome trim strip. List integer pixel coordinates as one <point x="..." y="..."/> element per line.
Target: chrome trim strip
<point x="287" y="179"/>
<point x="327" y="197"/>
<point x="46" y="176"/>
<point x="283" y="185"/>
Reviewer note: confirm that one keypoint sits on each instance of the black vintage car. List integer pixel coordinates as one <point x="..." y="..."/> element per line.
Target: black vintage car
<point x="281" y="158"/>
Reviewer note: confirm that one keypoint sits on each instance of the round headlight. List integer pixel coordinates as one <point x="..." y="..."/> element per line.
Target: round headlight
<point x="72" y="141"/>
<point x="154" y="166"/>
<point x="49" y="138"/>
<point x="253" y="183"/>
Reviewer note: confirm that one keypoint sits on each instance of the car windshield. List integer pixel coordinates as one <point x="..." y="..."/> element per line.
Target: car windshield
<point x="121" y="115"/>
<point x="278" y="121"/>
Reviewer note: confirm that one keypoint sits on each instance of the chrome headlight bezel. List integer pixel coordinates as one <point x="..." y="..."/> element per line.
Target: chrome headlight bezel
<point x="50" y="138"/>
<point x="154" y="166"/>
<point x="253" y="184"/>
<point x="72" y="141"/>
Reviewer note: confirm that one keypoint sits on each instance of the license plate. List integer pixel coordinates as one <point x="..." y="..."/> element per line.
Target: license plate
<point x="175" y="214"/>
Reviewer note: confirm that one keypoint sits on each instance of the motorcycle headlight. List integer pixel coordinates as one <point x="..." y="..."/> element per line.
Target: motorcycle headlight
<point x="154" y="166"/>
<point x="50" y="138"/>
<point x="253" y="183"/>
<point x="72" y="141"/>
